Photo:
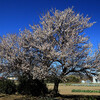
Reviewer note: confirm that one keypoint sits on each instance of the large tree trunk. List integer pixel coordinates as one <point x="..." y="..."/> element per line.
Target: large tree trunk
<point x="56" y="85"/>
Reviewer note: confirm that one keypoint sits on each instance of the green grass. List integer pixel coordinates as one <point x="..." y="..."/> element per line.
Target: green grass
<point x="86" y="91"/>
<point x="84" y="84"/>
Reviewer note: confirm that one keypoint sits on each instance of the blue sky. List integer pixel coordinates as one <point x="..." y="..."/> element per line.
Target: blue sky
<point x="18" y="14"/>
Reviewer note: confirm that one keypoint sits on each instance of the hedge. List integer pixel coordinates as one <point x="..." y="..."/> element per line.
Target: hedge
<point x="7" y="87"/>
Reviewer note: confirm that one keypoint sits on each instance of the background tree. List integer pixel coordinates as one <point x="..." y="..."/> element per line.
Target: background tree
<point x="72" y="79"/>
<point x="95" y="60"/>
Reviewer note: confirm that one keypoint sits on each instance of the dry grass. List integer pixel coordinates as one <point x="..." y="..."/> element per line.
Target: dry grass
<point x="66" y="90"/>
<point x="10" y="97"/>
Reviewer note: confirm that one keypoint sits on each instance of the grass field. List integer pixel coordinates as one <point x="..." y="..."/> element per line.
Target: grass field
<point x="67" y="90"/>
<point x="63" y="89"/>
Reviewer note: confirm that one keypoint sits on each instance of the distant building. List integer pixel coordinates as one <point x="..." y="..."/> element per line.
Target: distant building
<point x="82" y="81"/>
<point x="96" y="79"/>
<point x="12" y="78"/>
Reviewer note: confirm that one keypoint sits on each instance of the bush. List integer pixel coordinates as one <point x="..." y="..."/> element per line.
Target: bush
<point x="7" y="87"/>
<point x="31" y="87"/>
<point x="72" y="79"/>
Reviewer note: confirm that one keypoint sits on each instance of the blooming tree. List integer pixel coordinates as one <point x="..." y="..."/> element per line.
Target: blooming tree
<point x="58" y="38"/>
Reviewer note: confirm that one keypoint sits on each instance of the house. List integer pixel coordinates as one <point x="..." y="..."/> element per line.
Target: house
<point x="12" y="78"/>
<point x="96" y="79"/>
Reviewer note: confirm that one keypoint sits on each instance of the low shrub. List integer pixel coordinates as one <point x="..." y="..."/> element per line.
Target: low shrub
<point x="7" y="87"/>
<point x="31" y="87"/>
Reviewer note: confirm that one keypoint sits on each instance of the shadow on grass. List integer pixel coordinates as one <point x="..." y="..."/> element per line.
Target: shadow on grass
<point x="59" y="97"/>
<point x="79" y="97"/>
<point x="2" y="95"/>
